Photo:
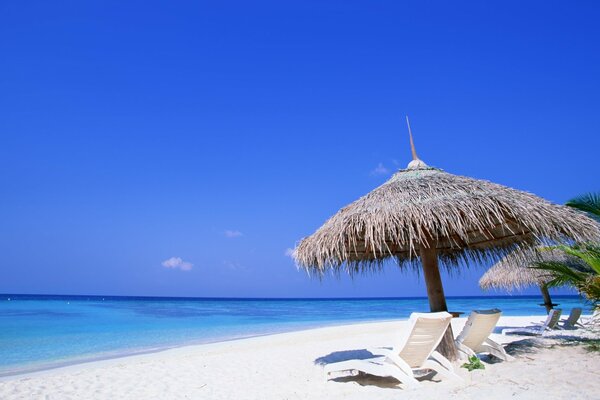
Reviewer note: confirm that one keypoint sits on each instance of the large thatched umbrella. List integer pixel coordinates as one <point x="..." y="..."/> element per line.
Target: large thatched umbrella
<point x="514" y="272"/>
<point x="425" y="212"/>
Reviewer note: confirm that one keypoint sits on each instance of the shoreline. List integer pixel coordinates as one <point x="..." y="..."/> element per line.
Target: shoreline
<point x="254" y="368"/>
<point x="133" y="353"/>
<point x="101" y="358"/>
<point x="116" y="329"/>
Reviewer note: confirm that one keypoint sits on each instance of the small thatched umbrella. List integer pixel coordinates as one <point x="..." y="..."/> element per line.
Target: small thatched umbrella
<point x="513" y="271"/>
<point x="423" y="211"/>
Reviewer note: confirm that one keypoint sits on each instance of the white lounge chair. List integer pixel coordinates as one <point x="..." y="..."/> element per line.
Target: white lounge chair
<point x="593" y="320"/>
<point x="474" y="338"/>
<point x="541" y="329"/>
<point x="572" y="321"/>
<point x="415" y="351"/>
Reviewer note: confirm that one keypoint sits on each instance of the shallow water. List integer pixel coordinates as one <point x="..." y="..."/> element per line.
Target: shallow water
<point x="38" y="332"/>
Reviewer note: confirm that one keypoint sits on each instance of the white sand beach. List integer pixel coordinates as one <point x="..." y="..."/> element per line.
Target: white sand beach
<point x="289" y="366"/>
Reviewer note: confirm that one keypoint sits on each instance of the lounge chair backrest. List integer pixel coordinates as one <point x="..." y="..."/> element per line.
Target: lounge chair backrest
<point x="552" y="320"/>
<point x="478" y="328"/>
<point x="424" y="333"/>
<point x="573" y="317"/>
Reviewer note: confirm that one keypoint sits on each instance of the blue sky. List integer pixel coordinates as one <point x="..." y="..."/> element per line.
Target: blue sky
<point x="181" y="147"/>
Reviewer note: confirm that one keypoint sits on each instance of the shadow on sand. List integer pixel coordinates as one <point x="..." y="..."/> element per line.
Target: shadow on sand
<point x="345" y="355"/>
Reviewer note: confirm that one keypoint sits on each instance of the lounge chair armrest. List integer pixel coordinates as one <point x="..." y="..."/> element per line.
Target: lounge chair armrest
<point x="395" y="358"/>
<point x="464" y="349"/>
<point x="442" y="360"/>
<point x="496" y="349"/>
<point x="524" y="329"/>
<point x="379" y="351"/>
<point x="492" y="342"/>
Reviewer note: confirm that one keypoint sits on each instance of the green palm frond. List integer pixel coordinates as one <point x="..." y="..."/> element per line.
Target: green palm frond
<point x="583" y="275"/>
<point x="561" y="274"/>
<point x="592" y="290"/>
<point x="582" y="270"/>
<point x="590" y="203"/>
<point x="586" y="256"/>
<point x="588" y="253"/>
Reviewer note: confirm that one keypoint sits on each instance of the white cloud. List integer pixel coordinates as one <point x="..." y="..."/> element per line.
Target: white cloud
<point x="289" y="252"/>
<point x="177" y="263"/>
<point x="233" y="265"/>
<point x="380" y="170"/>
<point x="233" y="234"/>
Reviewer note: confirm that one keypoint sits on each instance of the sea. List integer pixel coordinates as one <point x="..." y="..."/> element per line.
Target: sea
<point x="39" y="332"/>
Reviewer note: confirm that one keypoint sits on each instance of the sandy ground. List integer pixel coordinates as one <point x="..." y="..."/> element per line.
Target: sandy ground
<point x="289" y="366"/>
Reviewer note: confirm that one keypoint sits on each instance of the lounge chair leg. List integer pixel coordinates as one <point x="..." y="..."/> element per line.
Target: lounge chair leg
<point x="497" y="350"/>
<point x="463" y="351"/>
<point x="406" y="380"/>
<point x="443" y="371"/>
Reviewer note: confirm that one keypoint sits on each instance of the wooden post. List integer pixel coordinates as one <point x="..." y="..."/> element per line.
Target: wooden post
<point x="547" y="300"/>
<point x="435" y="293"/>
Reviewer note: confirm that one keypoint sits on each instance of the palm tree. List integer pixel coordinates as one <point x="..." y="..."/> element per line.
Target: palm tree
<point x="585" y="277"/>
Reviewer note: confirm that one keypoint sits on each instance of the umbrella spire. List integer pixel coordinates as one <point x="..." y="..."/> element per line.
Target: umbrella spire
<point x="416" y="162"/>
<point x="412" y="143"/>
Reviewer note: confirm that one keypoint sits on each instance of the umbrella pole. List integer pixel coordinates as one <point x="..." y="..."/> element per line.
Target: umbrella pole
<point x="437" y="300"/>
<point x="547" y="300"/>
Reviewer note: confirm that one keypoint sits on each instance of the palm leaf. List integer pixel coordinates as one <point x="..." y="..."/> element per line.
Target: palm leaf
<point x="588" y="253"/>
<point x="590" y="203"/>
<point x="561" y="274"/>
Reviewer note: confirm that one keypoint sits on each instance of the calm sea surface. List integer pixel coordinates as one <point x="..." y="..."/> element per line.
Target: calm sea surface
<point x="38" y="332"/>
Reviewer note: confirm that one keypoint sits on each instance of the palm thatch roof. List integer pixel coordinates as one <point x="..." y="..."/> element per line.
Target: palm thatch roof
<point x="513" y="271"/>
<point x="467" y="219"/>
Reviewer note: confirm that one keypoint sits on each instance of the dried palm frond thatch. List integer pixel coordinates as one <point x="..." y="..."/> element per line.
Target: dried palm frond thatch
<point x="513" y="271"/>
<point x="469" y="219"/>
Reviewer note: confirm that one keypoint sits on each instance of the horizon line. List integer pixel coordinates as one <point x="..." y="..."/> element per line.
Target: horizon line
<point x="273" y="298"/>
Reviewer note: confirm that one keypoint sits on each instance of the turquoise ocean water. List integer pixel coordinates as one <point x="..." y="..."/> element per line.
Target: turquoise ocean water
<point x="39" y="332"/>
